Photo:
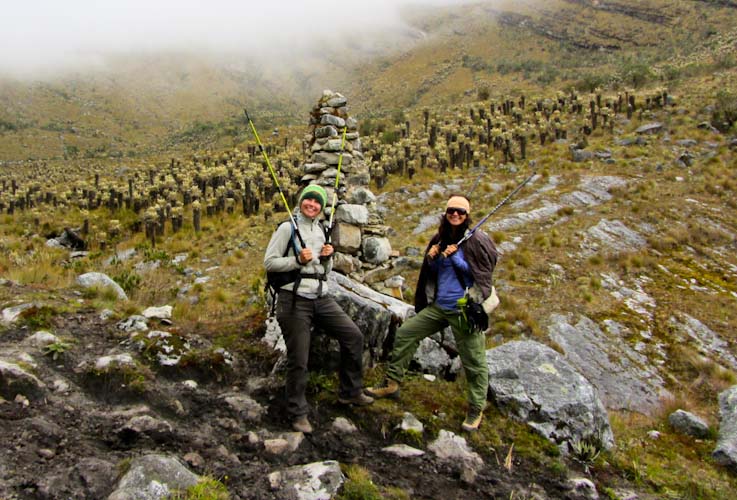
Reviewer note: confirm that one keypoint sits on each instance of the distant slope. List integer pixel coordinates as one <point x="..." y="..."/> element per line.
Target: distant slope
<point x="138" y="107"/>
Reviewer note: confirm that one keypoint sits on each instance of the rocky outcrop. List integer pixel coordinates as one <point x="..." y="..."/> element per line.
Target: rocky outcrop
<point x="708" y="342"/>
<point x="536" y="385"/>
<point x="376" y="315"/>
<point x="612" y="237"/>
<point x="725" y="452"/>
<point x="623" y="377"/>
<point x="592" y="191"/>
<point x="643" y="12"/>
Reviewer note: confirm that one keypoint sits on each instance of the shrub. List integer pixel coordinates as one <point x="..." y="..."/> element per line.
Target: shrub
<point x="56" y="349"/>
<point x="127" y="280"/>
<point x="725" y="110"/>
<point x="389" y="137"/>
<point x="38" y="317"/>
<point x="591" y="81"/>
<point x="207" y="489"/>
<point x="635" y="73"/>
<point x="359" y="485"/>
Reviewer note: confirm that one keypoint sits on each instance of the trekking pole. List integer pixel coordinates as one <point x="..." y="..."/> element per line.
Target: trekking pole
<point x="276" y="181"/>
<point x="335" y="189"/>
<point x="499" y="205"/>
<point x="475" y="184"/>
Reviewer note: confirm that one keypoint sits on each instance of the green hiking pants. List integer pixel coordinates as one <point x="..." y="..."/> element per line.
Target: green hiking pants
<point x="471" y="348"/>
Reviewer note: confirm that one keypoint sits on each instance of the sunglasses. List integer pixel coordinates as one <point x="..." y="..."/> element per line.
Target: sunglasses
<point x="453" y="210"/>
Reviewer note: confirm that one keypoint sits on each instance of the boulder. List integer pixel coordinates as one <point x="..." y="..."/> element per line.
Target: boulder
<point x="449" y="447"/>
<point x="342" y="425"/>
<point x="333" y="120"/>
<point x="337" y="101"/>
<point x="11" y="314"/>
<point x="431" y="357"/>
<point x="581" y="155"/>
<point x="346" y="264"/>
<point x="163" y="312"/>
<point x="135" y="323"/>
<point x="581" y="488"/>
<point x="101" y="280"/>
<point x="403" y="451"/>
<point x="346" y="237"/>
<point x="326" y="131"/>
<point x="41" y="339"/>
<point x="153" y="477"/>
<point x="332" y="158"/>
<point x="535" y="384"/>
<point x="650" y="128"/>
<point x="145" y="425"/>
<point x="70" y="239"/>
<point x="89" y="478"/>
<point x="245" y="407"/>
<point x="315" y="481"/>
<point x="593" y="191"/>
<point x="314" y="168"/>
<point x="376" y="249"/>
<point x="15" y="380"/>
<point x="106" y="363"/>
<point x="426" y="222"/>
<point x="361" y="196"/>
<point x="689" y="424"/>
<point x="411" y="423"/>
<point x="352" y="214"/>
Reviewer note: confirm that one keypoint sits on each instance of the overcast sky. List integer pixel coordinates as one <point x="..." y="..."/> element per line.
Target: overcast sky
<point x="55" y="34"/>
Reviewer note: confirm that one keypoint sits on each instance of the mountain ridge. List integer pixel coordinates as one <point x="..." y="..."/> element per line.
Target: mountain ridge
<point x="147" y="105"/>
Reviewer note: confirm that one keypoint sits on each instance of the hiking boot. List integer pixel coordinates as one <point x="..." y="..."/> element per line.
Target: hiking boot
<point x="301" y="424"/>
<point x="359" y="399"/>
<point x="473" y="419"/>
<point x="389" y="388"/>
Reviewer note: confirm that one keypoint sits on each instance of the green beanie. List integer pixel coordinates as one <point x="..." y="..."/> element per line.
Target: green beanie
<point x="314" y="192"/>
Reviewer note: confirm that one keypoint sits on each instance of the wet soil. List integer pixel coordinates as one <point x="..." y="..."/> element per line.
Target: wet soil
<point x="74" y="442"/>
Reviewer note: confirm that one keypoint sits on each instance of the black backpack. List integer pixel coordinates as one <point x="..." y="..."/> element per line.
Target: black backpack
<point x="275" y="280"/>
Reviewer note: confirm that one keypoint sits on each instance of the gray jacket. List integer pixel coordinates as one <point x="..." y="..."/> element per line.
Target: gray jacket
<point x="314" y="237"/>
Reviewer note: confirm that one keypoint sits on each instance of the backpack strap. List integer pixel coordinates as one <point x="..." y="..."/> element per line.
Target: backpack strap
<point x="269" y="287"/>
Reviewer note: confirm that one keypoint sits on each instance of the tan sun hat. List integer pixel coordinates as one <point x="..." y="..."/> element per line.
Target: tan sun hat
<point x="459" y="202"/>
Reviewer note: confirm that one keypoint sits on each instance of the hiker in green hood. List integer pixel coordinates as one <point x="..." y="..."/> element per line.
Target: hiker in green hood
<point x="304" y="303"/>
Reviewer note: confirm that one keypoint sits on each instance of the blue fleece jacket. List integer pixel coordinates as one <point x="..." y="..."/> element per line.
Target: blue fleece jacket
<point x="449" y="290"/>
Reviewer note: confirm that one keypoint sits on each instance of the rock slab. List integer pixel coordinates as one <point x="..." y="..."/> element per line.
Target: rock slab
<point x="535" y="384"/>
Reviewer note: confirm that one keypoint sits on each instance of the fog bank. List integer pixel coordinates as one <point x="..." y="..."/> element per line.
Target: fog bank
<point x="47" y="36"/>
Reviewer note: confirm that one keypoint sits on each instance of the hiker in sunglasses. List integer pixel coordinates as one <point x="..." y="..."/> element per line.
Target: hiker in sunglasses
<point x="447" y="271"/>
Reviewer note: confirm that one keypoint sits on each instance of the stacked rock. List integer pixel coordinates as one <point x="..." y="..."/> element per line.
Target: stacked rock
<point x="359" y="234"/>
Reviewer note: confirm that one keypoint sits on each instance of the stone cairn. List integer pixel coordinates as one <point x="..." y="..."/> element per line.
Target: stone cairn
<point x="359" y="235"/>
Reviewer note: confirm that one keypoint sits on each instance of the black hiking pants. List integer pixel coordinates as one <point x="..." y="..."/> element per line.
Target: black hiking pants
<point x="295" y="320"/>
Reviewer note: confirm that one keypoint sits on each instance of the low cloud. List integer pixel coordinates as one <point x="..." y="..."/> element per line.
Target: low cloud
<point x="49" y="35"/>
